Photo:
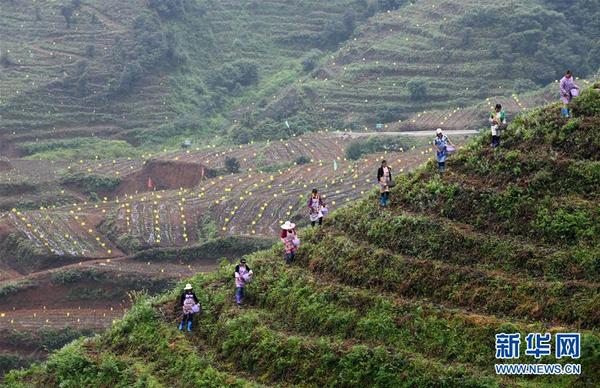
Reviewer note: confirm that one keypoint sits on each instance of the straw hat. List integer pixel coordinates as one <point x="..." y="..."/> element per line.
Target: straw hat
<point x="188" y="286"/>
<point x="288" y="225"/>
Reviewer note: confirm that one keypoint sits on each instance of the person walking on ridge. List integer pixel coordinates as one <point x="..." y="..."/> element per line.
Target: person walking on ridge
<point x="243" y="274"/>
<point x="498" y="121"/>
<point x="290" y="241"/>
<point x="441" y="143"/>
<point x="384" y="178"/>
<point x="568" y="90"/>
<point x="316" y="208"/>
<point x="190" y="305"/>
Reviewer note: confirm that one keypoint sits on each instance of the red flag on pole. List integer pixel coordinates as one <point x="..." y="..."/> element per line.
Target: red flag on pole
<point x="150" y="183"/>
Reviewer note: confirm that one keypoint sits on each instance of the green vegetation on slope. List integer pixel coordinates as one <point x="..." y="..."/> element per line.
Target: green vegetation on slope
<point x="430" y="55"/>
<point x="77" y="148"/>
<point x="375" y="144"/>
<point x="158" y="72"/>
<point x="34" y="344"/>
<point x="408" y="296"/>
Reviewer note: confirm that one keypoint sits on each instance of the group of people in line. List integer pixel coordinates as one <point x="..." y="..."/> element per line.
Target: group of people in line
<point x="317" y="209"/>
<point x="190" y="305"/>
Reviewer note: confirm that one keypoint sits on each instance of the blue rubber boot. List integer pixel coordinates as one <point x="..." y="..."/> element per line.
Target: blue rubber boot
<point x="189" y="326"/>
<point x="181" y="326"/>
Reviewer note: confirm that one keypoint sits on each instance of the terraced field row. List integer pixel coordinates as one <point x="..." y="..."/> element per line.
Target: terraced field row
<point x="31" y="320"/>
<point x="247" y="203"/>
<point x="372" y="72"/>
<point x="64" y="233"/>
<point x="43" y="54"/>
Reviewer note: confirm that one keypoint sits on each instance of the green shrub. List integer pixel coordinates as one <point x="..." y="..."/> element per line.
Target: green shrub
<point x="91" y="183"/>
<point x="564" y="224"/>
<point x="235" y="75"/>
<point x="168" y="8"/>
<point x="67" y="276"/>
<point x="11" y="361"/>
<point x="374" y="144"/>
<point x="311" y="59"/>
<point x="232" y="165"/>
<point x="302" y="160"/>
<point x="12" y="287"/>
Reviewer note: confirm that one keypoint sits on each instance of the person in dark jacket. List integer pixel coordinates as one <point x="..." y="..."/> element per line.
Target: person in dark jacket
<point x="188" y="301"/>
<point x="384" y="178"/>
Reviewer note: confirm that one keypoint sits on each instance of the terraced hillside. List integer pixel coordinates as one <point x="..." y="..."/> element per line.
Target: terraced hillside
<point x="437" y="55"/>
<point x="250" y="202"/>
<point x="45" y="310"/>
<point x="59" y="63"/>
<point x="144" y="71"/>
<point x="154" y="74"/>
<point x="64" y="270"/>
<point x="413" y="295"/>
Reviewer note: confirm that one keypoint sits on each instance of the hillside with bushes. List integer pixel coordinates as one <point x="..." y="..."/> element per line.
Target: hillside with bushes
<point x="152" y="73"/>
<point x="409" y="296"/>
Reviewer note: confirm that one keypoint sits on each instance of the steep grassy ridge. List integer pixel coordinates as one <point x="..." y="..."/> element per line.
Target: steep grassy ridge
<point x="408" y="296"/>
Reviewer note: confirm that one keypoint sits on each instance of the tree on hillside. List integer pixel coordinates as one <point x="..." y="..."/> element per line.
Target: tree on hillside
<point x="334" y="32"/>
<point x="244" y="73"/>
<point x="349" y="20"/>
<point x="81" y="78"/>
<point x="387" y="5"/>
<point x="127" y="80"/>
<point x="417" y="89"/>
<point x="67" y="12"/>
<point x="168" y="8"/>
<point x="5" y="59"/>
<point x="310" y="60"/>
<point x="90" y="51"/>
<point x="232" y="165"/>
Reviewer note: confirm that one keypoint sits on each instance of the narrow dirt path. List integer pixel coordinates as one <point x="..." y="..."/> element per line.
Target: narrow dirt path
<point x="449" y="132"/>
<point x="31" y="320"/>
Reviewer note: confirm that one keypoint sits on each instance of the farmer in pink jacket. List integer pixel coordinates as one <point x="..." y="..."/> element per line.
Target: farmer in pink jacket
<point x="568" y="90"/>
<point x="243" y="274"/>
<point x="290" y="241"/>
<point x="316" y="208"/>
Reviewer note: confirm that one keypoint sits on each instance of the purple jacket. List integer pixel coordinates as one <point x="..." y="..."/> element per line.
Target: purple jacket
<point x="566" y="85"/>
